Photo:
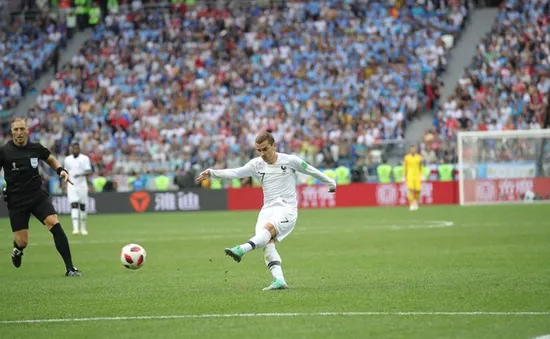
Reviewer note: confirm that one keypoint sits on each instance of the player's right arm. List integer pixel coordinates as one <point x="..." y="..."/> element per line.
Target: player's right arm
<point x="405" y="168"/>
<point x="232" y="173"/>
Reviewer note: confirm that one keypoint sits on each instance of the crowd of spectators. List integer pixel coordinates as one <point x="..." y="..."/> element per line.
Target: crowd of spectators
<point x="26" y="46"/>
<point x="156" y="92"/>
<point x="507" y="85"/>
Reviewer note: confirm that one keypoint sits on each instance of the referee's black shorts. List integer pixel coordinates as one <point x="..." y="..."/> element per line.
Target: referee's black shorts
<point x="21" y="208"/>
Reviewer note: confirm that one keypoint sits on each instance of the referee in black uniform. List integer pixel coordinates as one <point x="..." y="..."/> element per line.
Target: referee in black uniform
<point x="25" y="195"/>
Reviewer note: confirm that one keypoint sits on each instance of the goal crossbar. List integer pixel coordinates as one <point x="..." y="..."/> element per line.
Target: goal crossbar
<point x="530" y="133"/>
<point x="494" y="182"/>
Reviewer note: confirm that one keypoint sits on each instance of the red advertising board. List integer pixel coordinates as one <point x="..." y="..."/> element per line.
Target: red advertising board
<point x="494" y="190"/>
<point x="354" y="195"/>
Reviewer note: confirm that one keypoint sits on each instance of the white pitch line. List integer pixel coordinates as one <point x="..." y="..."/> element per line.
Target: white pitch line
<point x="255" y="315"/>
<point x="222" y="234"/>
<point x="119" y="241"/>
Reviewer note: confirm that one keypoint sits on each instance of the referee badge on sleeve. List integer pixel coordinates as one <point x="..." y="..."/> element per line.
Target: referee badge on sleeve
<point x="34" y="162"/>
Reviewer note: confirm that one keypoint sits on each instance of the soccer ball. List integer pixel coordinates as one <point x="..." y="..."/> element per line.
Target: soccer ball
<point x="133" y="256"/>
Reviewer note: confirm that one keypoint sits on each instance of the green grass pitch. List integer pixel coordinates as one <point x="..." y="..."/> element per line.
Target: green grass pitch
<point x="387" y="260"/>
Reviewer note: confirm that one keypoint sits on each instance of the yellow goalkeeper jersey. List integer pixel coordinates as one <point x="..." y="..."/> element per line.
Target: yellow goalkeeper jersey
<point x="413" y="166"/>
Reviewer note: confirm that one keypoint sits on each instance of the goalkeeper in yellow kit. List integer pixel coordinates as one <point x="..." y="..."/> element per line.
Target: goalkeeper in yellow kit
<point x="413" y="171"/>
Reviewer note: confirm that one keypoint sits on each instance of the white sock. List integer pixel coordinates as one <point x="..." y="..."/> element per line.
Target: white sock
<point x="74" y="216"/>
<point x="83" y="216"/>
<point x="258" y="241"/>
<point x="273" y="261"/>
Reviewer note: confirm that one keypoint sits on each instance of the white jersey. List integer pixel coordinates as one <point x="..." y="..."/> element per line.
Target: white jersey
<point x="78" y="166"/>
<point x="278" y="180"/>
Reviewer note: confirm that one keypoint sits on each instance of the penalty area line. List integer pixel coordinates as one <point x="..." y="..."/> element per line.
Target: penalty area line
<point x="260" y="315"/>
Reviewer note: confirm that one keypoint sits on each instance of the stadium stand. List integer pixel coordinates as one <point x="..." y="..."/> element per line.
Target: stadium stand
<point x="152" y="93"/>
<point x="507" y="84"/>
<point x="25" y="49"/>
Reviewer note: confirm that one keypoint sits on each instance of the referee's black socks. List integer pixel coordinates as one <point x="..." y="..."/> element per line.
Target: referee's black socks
<point x="62" y="245"/>
<point x="17" y="246"/>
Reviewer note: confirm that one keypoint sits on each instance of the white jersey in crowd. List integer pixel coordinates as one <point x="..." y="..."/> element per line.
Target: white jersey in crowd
<point x="278" y="180"/>
<point x="78" y="166"/>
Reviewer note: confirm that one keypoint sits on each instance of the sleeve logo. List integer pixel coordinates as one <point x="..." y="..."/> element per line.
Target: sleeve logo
<point x="303" y="164"/>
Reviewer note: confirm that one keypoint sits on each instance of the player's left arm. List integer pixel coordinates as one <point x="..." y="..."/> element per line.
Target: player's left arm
<point x="421" y="168"/>
<point x="303" y="167"/>
<point x="47" y="156"/>
<point x="87" y="168"/>
<point x="1" y="162"/>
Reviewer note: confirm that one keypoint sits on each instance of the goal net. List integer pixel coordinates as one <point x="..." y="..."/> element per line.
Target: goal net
<point x="498" y="167"/>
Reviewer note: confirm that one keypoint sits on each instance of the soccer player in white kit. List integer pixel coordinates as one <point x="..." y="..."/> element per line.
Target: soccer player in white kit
<point x="79" y="166"/>
<point x="277" y="174"/>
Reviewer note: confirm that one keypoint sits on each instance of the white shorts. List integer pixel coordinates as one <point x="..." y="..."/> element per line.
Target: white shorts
<point x="77" y="194"/>
<point x="282" y="217"/>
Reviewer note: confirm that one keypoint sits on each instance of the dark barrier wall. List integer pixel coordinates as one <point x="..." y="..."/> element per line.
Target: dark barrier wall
<point x="141" y="202"/>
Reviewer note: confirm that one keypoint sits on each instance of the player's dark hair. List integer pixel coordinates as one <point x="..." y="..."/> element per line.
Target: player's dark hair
<point x="265" y="136"/>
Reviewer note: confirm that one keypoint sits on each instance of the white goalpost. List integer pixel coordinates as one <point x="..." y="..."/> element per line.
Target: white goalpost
<point x="503" y="167"/>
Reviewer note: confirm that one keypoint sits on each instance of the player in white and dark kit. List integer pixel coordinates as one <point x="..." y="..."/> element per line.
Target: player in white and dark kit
<point x="277" y="174"/>
<point x="79" y="166"/>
